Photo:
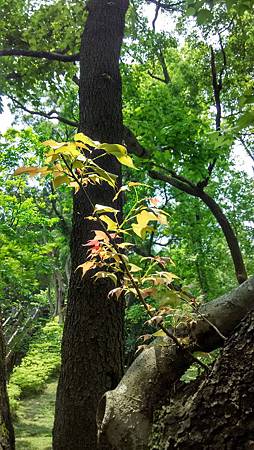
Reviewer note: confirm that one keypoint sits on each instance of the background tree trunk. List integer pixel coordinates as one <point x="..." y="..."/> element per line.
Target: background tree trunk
<point x="7" y="440"/>
<point x="92" y="349"/>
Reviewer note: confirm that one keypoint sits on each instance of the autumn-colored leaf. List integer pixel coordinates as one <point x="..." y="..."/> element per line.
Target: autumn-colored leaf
<point x="100" y="236"/>
<point x="32" y="171"/>
<point x="110" y="275"/>
<point x="147" y="292"/>
<point x="145" y="337"/>
<point x="155" y="320"/>
<point x="117" y="292"/>
<point x="93" y="244"/>
<point x="86" y="266"/>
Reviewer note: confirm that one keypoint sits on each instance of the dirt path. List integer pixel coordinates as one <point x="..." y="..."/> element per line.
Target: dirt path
<point x="35" y="420"/>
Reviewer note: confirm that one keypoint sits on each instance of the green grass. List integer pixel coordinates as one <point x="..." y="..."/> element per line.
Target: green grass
<point x="33" y="427"/>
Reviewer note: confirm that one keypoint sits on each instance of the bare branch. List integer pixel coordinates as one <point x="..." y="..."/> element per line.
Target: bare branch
<point x="176" y="176"/>
<point x="155" y="77"/>
<point x="183" y="186"/>
<point x="157" y="10"/>
<point x="40" y="54"/>
<point x="50" y="115"/>
<point x="161" y="58"/>
<point x="168" y="6"/>
<point x="132" y="144"/>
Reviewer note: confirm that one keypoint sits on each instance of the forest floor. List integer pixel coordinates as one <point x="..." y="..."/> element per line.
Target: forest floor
<point x="33" y="428"/>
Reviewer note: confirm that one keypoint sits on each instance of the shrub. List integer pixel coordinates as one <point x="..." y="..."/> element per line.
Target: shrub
<point x="41" y="362"/>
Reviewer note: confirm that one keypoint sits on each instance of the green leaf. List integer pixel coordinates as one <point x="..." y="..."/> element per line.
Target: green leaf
<point x="61" y="180"/>
<point x="246" y="119"/>
<point x="190" y="11"/>
<point x="204" y="16"/>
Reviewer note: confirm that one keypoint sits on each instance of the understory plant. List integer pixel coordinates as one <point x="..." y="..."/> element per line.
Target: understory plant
<point x="41" y="362"/>
<point x="109" y="255"/>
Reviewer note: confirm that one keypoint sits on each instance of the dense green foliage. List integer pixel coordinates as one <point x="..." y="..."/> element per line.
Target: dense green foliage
<point x="188" y="97"/>
<point x="41" y="362"/>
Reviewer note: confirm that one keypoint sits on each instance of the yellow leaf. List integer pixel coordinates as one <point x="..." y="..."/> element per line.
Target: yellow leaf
<point x="110" y="275"/>
<point x="111" y="225"/>
<point x="85" y="139"/>
<point x="69" y="149"/>
<point x="162" y="219"/>
<point x="126" y="160"/>
<point x="53" y="144"/>
<point x="133" y="268"/>
<point x="74" y="185"/>
<point x="159" y="333"/>
<point x="120" y="152"/>
<point x="102" y="208"/>
<point x="114" y="149"/>
<point x="31" y="171"/>
<point x="61" y="180"/>
<point x="143" y="219"/>
<point x="86" y="266"/>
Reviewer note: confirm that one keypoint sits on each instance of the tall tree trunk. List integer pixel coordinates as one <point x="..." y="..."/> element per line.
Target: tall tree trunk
<point x="7" y="440"/>
<point x="92" y="349"/>
<point x="59" y="295"/>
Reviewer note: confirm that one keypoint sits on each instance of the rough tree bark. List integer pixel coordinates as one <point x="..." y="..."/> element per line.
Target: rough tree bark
<point x="220" y="414"/>
<point x="125" y="415"/>
<point x="7" y="440"/>
<point x="92" y="348"/>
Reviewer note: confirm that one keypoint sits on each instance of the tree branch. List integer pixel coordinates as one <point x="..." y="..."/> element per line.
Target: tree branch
<point x="40" y="54"/>
<point x="157" y="10"/>
<point x="132" y="144"/>
<point x="197" y="191"/>
<point x="182" y="185"/>
<point x="50" y="115"/>
<point x="162" y="61"/>
<point x="167" y="6"/>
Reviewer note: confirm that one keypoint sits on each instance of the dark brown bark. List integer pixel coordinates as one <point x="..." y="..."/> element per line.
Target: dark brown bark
<point x="59" y="295"/>
<point x="51" y="56"/>
<point x="232" y="241"/>
<point x="220" y="415"/>
<point x="7" y="440"/>
<point x="92" y="349"/>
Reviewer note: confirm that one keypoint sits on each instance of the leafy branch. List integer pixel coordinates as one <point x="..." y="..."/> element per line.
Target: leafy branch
<point x="70" y="163"/>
